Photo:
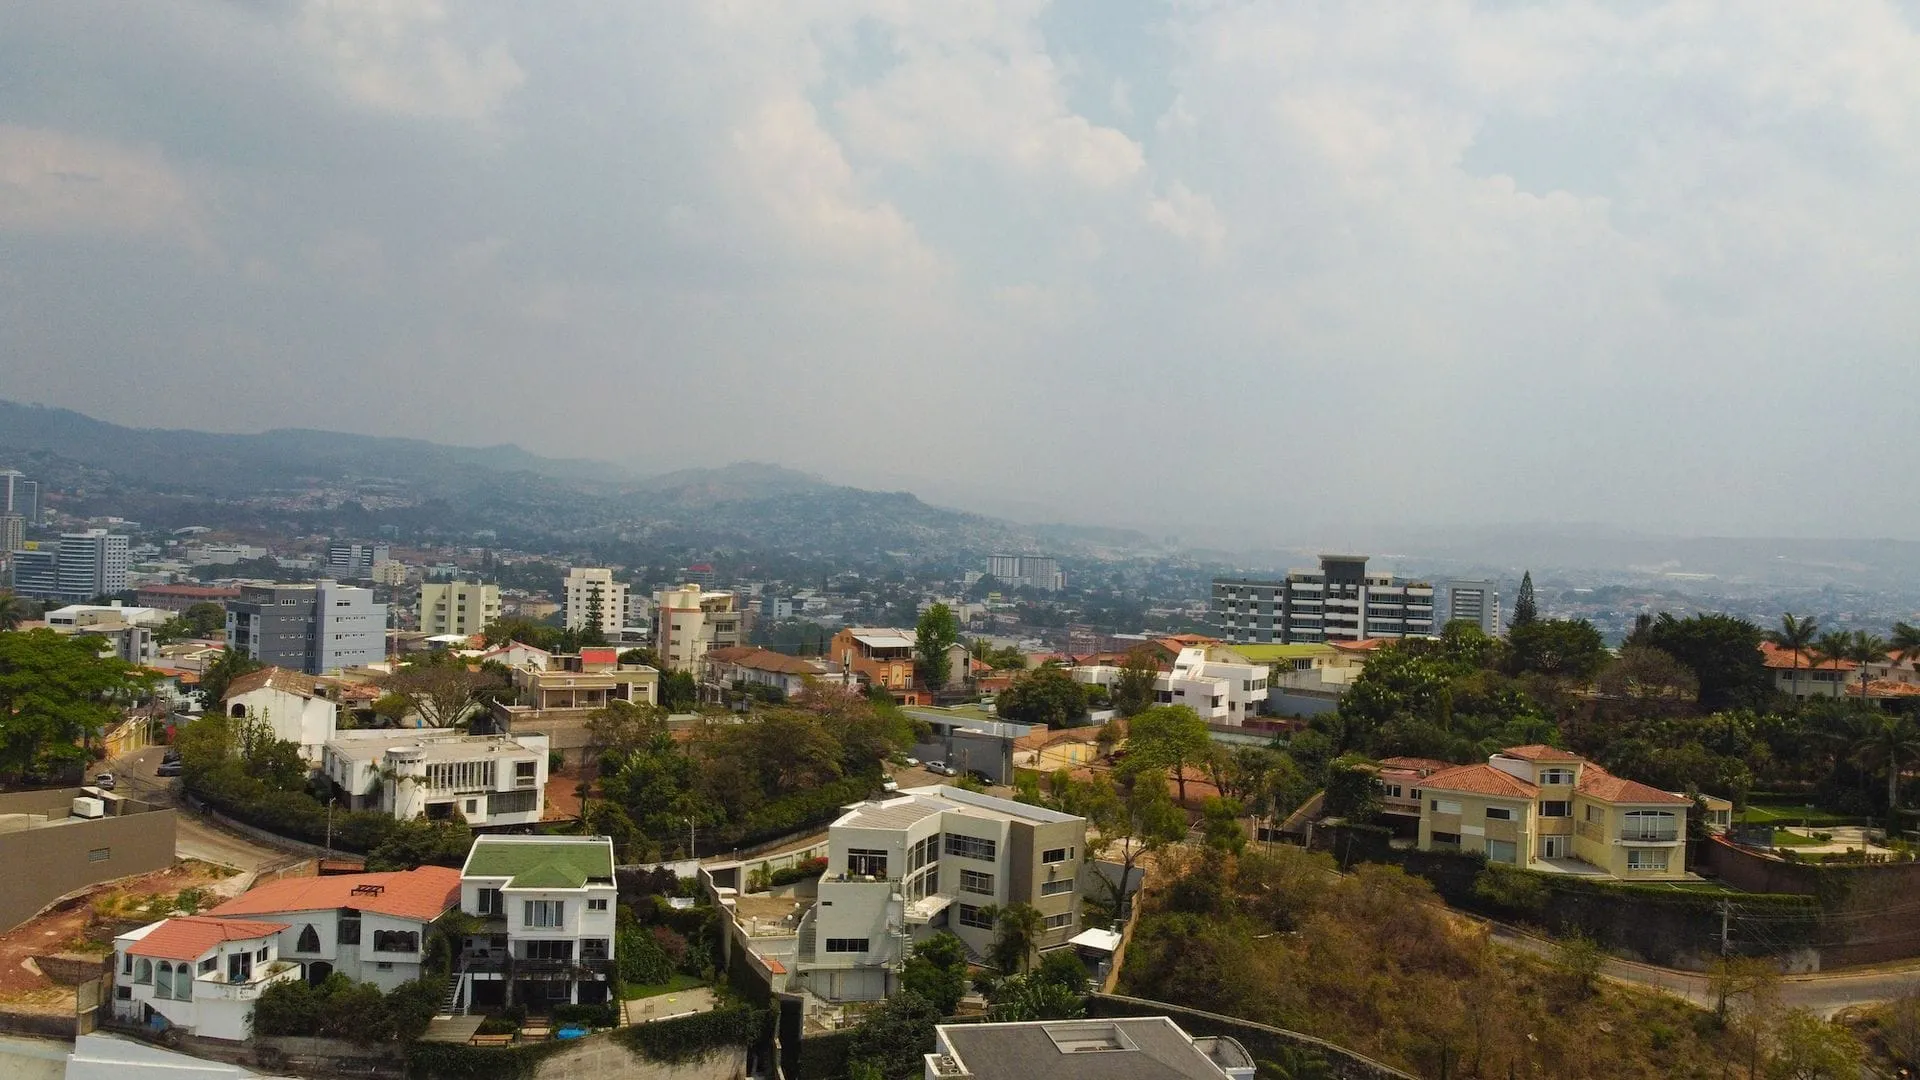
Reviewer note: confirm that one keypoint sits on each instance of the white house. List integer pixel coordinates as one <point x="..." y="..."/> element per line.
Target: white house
<point x="369" y="927"/>
<point x="1216" y="682"/>
<point x="516" y="655"/>
<point x="290" y="703"/>
<point x="198" y="973"/>
<point x="548" y="903"/>
<point x="440" y="773"/>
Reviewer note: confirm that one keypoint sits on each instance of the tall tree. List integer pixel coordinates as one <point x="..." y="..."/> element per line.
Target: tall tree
<point x="1886" y="741"/>
<point x="1133" y="688"/>
<point x="1569" y="648"/>
<point x="1525" y="609"/>
<point x="444" y="695"/>
<point x="1046" y="695"/>
<point x="1724" y="653"/>
<point x="1831" y="647"/>
<point x="57" y="694"/>
<point x="937" y="632"/>
<point x="1169" y="737"/>
<point x="220" y="673"/>
<point x="1796" y="635"/>
<point x="1866" y="650"/>
<point x="13" y="611"/>
<point x="1018" y="929"/>
<point x="1126" y="829"/>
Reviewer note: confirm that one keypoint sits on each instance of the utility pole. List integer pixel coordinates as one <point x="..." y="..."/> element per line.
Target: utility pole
<point x="1726" y="913"/>
<point x="330" y="803"/>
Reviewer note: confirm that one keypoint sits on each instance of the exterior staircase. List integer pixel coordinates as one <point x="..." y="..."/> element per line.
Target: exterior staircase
<point x="455" y="1002"/>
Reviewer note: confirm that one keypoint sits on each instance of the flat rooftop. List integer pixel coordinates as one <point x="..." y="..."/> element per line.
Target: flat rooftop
<point x="461" y="748"/>
<point x="917" y="804"/>
<point x="1130" y="1048"/>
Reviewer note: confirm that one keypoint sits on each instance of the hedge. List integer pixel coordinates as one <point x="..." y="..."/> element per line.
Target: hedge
<point x="458" y="1061"/>
<point x="825" y="1056"/>
<point x="809" y="868"/>
<point x="597" y="1016"/>
<point x="684" y="1038"/>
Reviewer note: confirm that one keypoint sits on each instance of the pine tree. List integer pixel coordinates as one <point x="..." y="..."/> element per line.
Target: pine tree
<point x="1525" y="610"/>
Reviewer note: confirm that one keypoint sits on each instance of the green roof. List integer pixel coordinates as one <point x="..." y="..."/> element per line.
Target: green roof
<point x="541" y="864"/>
<point x="1267" y="654"/>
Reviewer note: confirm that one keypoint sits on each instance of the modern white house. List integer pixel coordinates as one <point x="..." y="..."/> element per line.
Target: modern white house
<point x="440" y="774"/>
<point x="198" y="973"/>
<point x="904" y="867"/>
<point x="1212" y="680"/>
<point x="369" y="927"/>
<point x="548" y="905"/>
<point x="290" y="702"/>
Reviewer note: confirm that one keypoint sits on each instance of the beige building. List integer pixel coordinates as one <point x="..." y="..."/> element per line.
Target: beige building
<point x="1547" y="809"/>
<point x="458" y="607"/>
<point x="594" y="597"/>
<point x="689" y="621"/>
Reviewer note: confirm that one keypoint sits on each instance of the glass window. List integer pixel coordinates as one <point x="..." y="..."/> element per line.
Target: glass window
<point x="142" y="971"/>
<point x="847" y="945"/>
<point x="1646" y="858"/>
<point x="1501" y="851"/>
<point x="1556" y="808"/>
<point x="349" y="928"/>
<point x="1055" y="922"/>
<point x="488" y="902"/>
<point x="1499" y="813"/>
<point x="972" y="847"/>
<point x="976" y="917"/>
<point x="1055" y="888"/>
<point x="865" y="861"/>
<point x="593" y="948"/>
<point x="975" y="882"/>
<point x="544" y="913"/>
<point x="597" y="904"/>
<point x="1054" y="855"/>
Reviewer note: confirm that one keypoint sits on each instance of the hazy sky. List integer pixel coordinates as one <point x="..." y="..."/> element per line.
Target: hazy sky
<point x="1248" y="269"/>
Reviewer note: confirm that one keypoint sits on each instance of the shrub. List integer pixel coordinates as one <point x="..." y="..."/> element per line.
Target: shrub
<point x="595" y="1016"/>
<point x="684" y="1038"/>
<point x="457" y="1061"/>
<point x="810" y="868"/>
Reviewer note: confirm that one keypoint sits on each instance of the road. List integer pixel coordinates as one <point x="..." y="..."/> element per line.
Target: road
<point x="194" y="837"/>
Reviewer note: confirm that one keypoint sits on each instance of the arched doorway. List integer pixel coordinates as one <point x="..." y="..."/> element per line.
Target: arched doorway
<point x="317" y="972"/>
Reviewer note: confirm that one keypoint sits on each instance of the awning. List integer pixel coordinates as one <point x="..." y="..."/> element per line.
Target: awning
<point x="1100" y="940"/>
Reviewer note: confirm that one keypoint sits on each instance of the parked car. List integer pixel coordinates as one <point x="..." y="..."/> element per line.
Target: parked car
<point x="172" y="755"/>
<point x="941" y="768"/>
<point x="980" y="777"/>
<point x="169" y="768"/>
<point x="104" y="781"/>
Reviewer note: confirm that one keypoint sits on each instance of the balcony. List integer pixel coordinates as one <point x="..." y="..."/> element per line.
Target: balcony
<point x="561" y="969"/>
<point x="215" y="987"/>
<point x="1649" y="836"/>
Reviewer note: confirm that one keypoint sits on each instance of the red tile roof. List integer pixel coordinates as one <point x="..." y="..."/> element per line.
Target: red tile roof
<point x="1415" y="764"/>
<point x="599" y="656"/>
<point x="425" y="894"/>
<point x="273" y="678"/>
<point x="1481" y="780"/>
<point x="754" y="659"/>
<point x="1540" y="752"/>
<point x="1884" y="688"/>
<point x="189" y="937"/>
<point x="1781" y="659"/>
<point x="1597" y="783"/>
<point x="1362" y="645"/>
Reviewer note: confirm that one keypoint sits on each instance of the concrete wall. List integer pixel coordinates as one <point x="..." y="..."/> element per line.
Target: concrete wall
<point x="46" y="863"/>
<point x="1258" y="1039"/>
<point x="1867" y="908"/>
<point x="604" y="1059"/>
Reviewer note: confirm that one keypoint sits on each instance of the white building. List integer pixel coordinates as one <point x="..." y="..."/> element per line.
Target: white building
<point x="548" y="904"/>
<point x="458" y="607"/>
<point x="355" y="562"/>
<point x="198" y="973"/>
<point x="440" y="773"/>
<point x="1477" y="602"/>
<point x="74" y="616"/>
<point x="1339" y="602"/>
<point x="791" y="675"/>
<point x="1026" y="572"/>
<point x="290" y="703"/>
<point x="125" y="632"/>
<point x="688" y="621"/>
<point x="905" y="867"/>
<point x="1216" y="682"/>
<point x="369" y="927"/>
<point x="593" y="597"/>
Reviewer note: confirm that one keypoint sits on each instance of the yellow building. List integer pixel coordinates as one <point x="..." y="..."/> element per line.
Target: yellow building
<point x="457" y="607"/>
<point x="1548" y="809"/>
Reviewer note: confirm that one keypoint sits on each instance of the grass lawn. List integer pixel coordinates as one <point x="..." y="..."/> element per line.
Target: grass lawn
<point x="677" y="983"/>
<point x="1789" y="814"/>
<point x="1783" y="838"/>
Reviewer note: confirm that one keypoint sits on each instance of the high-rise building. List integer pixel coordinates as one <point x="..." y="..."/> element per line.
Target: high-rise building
<point x="689" y="621"/>
<point x="354" y="562"/>
<point x="36" y="572"/>
<point x="19" y="495"/>
<point x="93" y="563"/>
<point x="1476" y="602"/>
<point x="1340" y="602"/>
<point x="1026" y="571"/>
<point x="13" y="533"/>
<point x="594" y="598"/>
<point x="315" y="628"/>
<point x="458" y="607"/>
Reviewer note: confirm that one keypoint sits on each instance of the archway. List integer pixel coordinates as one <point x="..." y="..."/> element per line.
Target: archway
<point x="317" y="972"/>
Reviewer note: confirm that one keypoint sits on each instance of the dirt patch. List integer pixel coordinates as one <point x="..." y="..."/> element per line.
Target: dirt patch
<point x="762" y="906"/>
<point x="563" y="795"/>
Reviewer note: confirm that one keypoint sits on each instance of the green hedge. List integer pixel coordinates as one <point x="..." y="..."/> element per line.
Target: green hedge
<point x="596" y="1016"/>
<point x="808" y="868"/>
<point x="684" y="1038"/>
<point x="458" y="1061"/>
<point x="802" y="809"/>
<point x="824" y="1056"/>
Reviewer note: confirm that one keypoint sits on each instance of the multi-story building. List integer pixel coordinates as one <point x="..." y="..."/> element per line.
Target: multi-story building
<point x="369" y="927"/>
<point x="1212" y="680"/>
<point x="34" y="570"/>
<point x="20" y="496"/>
<point x="1339" y="602"/>
<point x="13" y="534"/>
<point x="290" y="702"/>
<point x="1026" y="572"/>
<point x="354" y="562"/>
<point x="1540" y="807"/>
<point x="202" y="974"/>
<point x="595" y="599"/>
<point x="126" y="632"/>
<point x="178" y="598"/>
<point x="1476" y="602"/>
<point x="458" y="607"/>
<point x="316" y="628"/>
<point x="1134" y="1047"/>
<point x="746" y="665"/>
<point x="878" y="656"/>
<point x="78" y="567"/>
<point x="689" y="621"/>
<point x="557" y="696"/>
<point x="904" y="867"/>
<point x="440" y="774"/>
<point x="547" y="907"/>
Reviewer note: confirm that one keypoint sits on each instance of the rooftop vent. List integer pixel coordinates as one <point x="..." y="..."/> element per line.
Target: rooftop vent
<point x="1088" y="1038"/>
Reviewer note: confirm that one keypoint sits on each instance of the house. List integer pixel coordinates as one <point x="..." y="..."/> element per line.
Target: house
<point x="1212" y="680"/>
<point x="547" y="905"/>
<point x="589" y="679"/>
<point x="746" y="665"/>
<point x="1131" y="1047"/>
<point x="904" y="867"/>
<point x="198" y="973"/>
<point x="970" y="743"/>
<point x="369" y="927"/>
<point x="879" y="656"/>
<point x="1548" y="809"/>
<point x="1400" y="787"/>
<point x="439" y="774"/>
<point x="1797" y="673"/>
<point x="514" y="655"/>
<point x="290" y="703"/>
<point x="689" y="622"/>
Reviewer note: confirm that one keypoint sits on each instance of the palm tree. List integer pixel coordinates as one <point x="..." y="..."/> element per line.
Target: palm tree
<point x="1865" y="649"/>
<point x="1020" y="927"/>
<point x="1888" y="739"/>
<point x="13" y="611"/>
<point x="1905" y="646"/>
<point x="1830" y="647"/>
<point x="1796" y="635"/>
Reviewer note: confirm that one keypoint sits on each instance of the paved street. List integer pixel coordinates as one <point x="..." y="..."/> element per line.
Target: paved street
<point x="194" y="837"/>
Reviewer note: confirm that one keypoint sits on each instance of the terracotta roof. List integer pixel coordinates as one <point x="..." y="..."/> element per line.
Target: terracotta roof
<point x="273" y="678"/>
<point x="1415" y="764"/>
<point x="765" y="660"/>
<point x="730" y="653"/>
<point x="1481" y="780"/>
<point x="1776" y="657"/>
<point x="425" y="894"/>
<point x="189" y="937"/>
<point x="599" y="656"/>
<point x="1884" y="688"/>
<point x="1363" y="645"/>
<point x="1540" y="752"/>
<point x="1598" y="784"/>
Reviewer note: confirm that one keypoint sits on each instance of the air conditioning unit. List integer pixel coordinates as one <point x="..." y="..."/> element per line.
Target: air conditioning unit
<point x="86" y="807"/>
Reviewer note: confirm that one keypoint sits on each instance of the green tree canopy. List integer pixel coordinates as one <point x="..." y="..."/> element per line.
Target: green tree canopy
<point x="937" y="632"/>
<point x="1565" y="648"/>
<point x="1525" y="608"/>
<point x="1722" y="651"/>
<point x="1133" y="690"/>
<point x="1045" y="696"/>
<point x="1170" y="737"/>
<point x="57" y="694"/>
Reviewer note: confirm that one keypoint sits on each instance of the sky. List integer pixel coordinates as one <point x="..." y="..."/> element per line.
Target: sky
<point x="1234" y="271"/>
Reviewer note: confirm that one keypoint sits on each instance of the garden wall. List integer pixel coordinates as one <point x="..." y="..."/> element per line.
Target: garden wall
<point x="1868" y="911"/>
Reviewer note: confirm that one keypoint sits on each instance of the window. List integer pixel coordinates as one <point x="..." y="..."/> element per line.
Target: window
<point x="526" y="773"/>
<point x="349" y="928"/>
<point x="123" y="993"/>
<point x="597" y="904"/>
<point x="1655" y="825"/>
<point x="974" y="917"/>
<point x="513" y="802"/>
<point x="867" y="861"/>
<point x="489" y="903"/>
<point x="847" y="944"/>
<point x="396" y="941"/>
<point x="239" y="967"/>
<point x="1414" y="794"/>
<point x="544" y="913"/>
<point x="972" y="847"/>
<point x="1055" y="888"/>
<point x="975" y="882"/>
<point x="1499" y="813"/>
<point x="593" y="948"/>
<point x="1594" y="813"/>
<point x="473" y="806"/>
<point x="1059" y="854"/>
<point x="309" y="940"/>
<point x="1502" y="851"/>
<point x="207" y="965"/>
<point x="261" y="955"/>
<point x="546" y="950"/>
<point x="142" y="971"/>
<point x="1556" y="776"/>
<point x="1556" y="808"/>
<point x="1392" y="791"/>
<point x="1646" y="858"/>
<point x="1055" y="922"/>
<point x="1445" y="806"/>
<point x="1446" y="839"/>
<point x="100" y="854"/>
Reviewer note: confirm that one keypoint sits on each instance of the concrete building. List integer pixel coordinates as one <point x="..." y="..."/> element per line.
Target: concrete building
<point x="58" y="841"/>
<point x="34" y="571"/>
<point x="1131" y="1047"/>
<point x="1339" y="602"/>
<point x="316" y="628"/>
<point x="970" y="744"/>
<point x="369" y="927"/>
<point x="689" y="621"/>
<point x="902" y="868"/>
<point x="126" y="632"/>
<point x="1027" y="572"/>
<point x="1477" y="602"/>
<point x="201" y="974"/>
<point x="558" y="696"/>
<point x="78" y="567"/>
<point x="458" y="607"/>
<point x="748" y="666"/>
<point x="1212" y="680"/>
<point x="178" y="598"/>
<point x="440" y="774"/>
<point x="291" y="703"/>
<point x="547" y="904"/>
<point x="354" y="562"/>
<point x="13" y="534"/>
<point x="19" y="497"/>
<point x="879" y="656"/>
<point x="594" y="598"/>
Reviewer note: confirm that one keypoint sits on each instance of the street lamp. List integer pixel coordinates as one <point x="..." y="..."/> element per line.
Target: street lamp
<point x="690" y="852"/>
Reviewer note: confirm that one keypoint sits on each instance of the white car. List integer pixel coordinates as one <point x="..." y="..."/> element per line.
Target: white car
<point x="941" y="768"/>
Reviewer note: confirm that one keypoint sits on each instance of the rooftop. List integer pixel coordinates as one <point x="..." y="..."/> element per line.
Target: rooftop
<point x="543" y="862"/>
<point x="1540" y="752"/>
<point x="273" y="678"/>
<point x="916" y="804"/>
<point x="1267" y="654"/>
<point x="425" y="894"/>
<point x="1130" y="1048"/>
<point x="449" y="747"/>
<point x="1597" y="783"/>
<point x="1481" y="780"/>
<point x="189" y="937"/>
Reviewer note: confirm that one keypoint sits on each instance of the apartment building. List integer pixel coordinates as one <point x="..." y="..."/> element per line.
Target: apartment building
<point x="547" y="909"/>
<point x="1339" y="602"/>
<point x="440" y="774"/>
<point x="369" y="927"/>
<point x="355" y="562"/>
<point x="458" y="607"/>
<point x="593" y="598"/>
<point x="316" y="628"/>
<point x="19" y="497"/>
<point x="178" y="598"/>
<point x="1476" y="602"/>
<point x="1027" y="572"/>
<point x="904" y="867"/>
<point x="201" y="974"/>
<point x="878" y="656"/>
<point x="1130" y="1047"/>
<point x="78" y="567"/>
<point x="1548" y="809"/>
<point x="689" y="621"/>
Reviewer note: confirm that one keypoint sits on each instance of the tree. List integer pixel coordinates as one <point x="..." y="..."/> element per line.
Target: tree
<point x="1167" y="737"/>
<point x="443" y="695"/>
<point x="1525" y="609"/>
<point x="1220" y="820"/>
<point x="937" y="632"/>
<point x="937" y="971"/>
<point x="1133" y="688"/>
<point x="1579" y="959"/>
<point x="13" y="611"/>
<point x="1748" y="977"/>
<point x="1723" y="653"/>
<point x="1018" y="927"/>
<point x="1904" y="646"/>
<point x="1866" y="650"/>
<point x="1567" y="648"/>
<point x="895" y="1037"/>
<point x="220" y="673"/>
<point x="1649" y="680"/>
<point x="57" y="694"/>
<point x="1796" y="635"/>
<point x="1126" y="829"/>
<point x="1885" y="742"/>
<point x="678" y="691"/>
<point x="1353" y="789"/>
<point x="1046" y="697"/>
<point x="1031" y="997"/>
<point x="1805" y="1047"/>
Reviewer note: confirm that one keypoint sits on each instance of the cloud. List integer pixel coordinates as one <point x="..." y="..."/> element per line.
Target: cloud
<point x="398" y="56"/>
<point x="52" y="181"/>
<point x="1190" y="217"/>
